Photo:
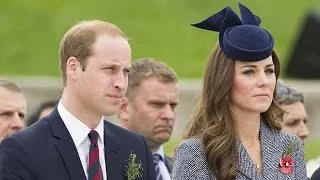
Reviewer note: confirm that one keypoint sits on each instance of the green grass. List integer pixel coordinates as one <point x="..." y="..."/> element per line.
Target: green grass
<point x="311" y="149"/>
<point x="31" y="30"/>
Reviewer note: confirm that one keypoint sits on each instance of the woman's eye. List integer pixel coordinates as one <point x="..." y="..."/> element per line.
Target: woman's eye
<point x="248" y="72"/>
<point x="270" y="71"/>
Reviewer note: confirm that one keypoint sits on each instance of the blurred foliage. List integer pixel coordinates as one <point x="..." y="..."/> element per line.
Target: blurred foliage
<point x="31" y="29"/>
<point x="312" y="149"/>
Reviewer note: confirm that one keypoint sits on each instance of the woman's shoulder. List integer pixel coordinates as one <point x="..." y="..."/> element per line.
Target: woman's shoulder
<point x="287" y="138"/>
<point x="289" y="144"/>
<point x="192" y="141"/>
<point x="281" y="141"/>
<point x="279" y="137"/>
<point x="191" y="144"/>
<point x="190" y="161"/>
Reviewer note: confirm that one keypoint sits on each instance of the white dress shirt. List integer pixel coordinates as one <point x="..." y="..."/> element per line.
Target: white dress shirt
<point x="162" y="166"/>
<point x="79" y="133"/>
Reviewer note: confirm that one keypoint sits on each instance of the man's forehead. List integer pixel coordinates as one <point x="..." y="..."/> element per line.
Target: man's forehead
<point x="9" y="99"/>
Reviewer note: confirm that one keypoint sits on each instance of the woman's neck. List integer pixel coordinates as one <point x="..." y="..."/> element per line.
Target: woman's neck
<point x="247" y="126"/>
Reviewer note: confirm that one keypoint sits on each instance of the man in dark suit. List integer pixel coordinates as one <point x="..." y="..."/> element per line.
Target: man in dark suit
<point x="74" y="142"/>
<point x="316" y="175"/>
<point x="149" y="108"/>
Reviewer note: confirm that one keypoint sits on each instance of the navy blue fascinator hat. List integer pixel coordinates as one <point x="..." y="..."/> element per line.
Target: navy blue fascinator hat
<point x="240" y="39"/>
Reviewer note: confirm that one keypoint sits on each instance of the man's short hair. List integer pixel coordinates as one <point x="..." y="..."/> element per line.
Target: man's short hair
<point x="77" y="41"/>
<point x="9" y="85"/>
<point x="145" y="68"/>
<point x="287" y="94"/>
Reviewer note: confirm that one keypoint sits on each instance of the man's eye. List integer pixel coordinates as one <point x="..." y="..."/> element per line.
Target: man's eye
<point x="109" y="68"/>
<point x="126" y="72"/>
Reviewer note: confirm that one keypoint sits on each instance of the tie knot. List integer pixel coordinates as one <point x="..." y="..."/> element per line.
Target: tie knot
<point x="156" y="158"/>
<point x="93" y="136"/>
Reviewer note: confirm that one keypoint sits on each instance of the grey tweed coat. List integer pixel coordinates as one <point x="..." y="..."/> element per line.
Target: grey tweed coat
<point x="190" y="161"/>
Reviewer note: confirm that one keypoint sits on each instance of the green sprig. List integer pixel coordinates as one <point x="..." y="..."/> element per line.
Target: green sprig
<point x="133" y="168"/>
<point x="290" y="148"/>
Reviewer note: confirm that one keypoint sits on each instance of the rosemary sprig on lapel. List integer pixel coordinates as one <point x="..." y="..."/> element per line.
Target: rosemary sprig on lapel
<point x="133" y="167"/>
<point x="286" y="162"/>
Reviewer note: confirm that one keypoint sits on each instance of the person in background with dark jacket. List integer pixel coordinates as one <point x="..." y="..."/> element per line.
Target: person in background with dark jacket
<point x="316" y="175"/>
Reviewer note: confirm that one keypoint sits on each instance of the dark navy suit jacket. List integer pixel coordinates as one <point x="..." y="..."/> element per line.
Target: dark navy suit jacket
<point x="46" y="151"/>
<point x="316" y="175"/>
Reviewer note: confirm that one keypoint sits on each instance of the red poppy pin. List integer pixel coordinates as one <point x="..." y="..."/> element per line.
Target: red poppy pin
<point x="286" y="162"/>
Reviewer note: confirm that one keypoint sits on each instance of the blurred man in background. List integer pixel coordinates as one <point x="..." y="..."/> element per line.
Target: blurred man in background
<point x="149" y="107"/>
<point x="44" y="109"/>
<point x="295" y="120"/>
<point x="13" y="107"/>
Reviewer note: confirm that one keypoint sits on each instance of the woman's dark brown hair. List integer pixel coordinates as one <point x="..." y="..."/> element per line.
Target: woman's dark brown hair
<point x="212" y="120"/>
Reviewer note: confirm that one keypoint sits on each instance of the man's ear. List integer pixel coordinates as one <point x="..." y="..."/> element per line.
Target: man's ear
<point x="123" y="113"/>
<point x="72" y="67"/>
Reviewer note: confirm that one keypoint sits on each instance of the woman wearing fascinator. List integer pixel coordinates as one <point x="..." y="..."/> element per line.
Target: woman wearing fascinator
<point x="235" y="128"/>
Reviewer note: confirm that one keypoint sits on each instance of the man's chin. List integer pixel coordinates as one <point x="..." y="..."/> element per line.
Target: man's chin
<point x="164" y="138"/>
<point x="110" y="111"/>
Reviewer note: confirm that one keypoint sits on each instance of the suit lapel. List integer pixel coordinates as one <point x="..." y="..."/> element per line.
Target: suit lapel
<point x="169" y="163"/>
<point x="111" y="150"/>
<point x="65" y="146"/>
<point x="71" y="161"/>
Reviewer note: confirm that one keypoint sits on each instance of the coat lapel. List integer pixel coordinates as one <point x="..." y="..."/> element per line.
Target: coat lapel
<point x="271" y="149"/>
<point x="65" y="146"/>
<point x="270" y="154"/>
<point x="111" y="150"/>
<point x="246" y="166"/>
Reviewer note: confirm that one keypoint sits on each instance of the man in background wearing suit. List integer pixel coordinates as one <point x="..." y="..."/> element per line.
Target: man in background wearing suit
<point x="13" y="107"/>
<point x="149" y="108"/>
<point x="74" y="142"/>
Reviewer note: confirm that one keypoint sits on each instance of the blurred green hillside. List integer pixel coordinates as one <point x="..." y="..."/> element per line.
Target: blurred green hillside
<point x="30" y="30"/>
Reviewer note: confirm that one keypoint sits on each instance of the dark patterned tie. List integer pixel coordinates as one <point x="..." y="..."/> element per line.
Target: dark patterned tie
<point x="94" y="170"/>
<point x="156" y="159"/>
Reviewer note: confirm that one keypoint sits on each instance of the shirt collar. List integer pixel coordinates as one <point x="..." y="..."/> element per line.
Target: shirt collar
<point x="160" y="151"/>
<point x="77" y="129"/>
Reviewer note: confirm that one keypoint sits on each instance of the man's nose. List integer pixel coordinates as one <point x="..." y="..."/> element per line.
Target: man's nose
<point x="121" y="81"/>
<point x="16" y="122"/>
<point x="168" y="113"/>
<point x="304" y="131"/>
